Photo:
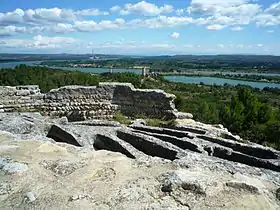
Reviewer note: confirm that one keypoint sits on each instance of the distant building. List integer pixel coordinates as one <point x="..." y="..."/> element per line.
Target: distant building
<point x="144" y="71"/>
<point x="111" y="69"/>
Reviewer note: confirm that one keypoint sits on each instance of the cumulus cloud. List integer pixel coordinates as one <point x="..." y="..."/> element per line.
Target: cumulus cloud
<point x="180" y="11"/>
<point x="91" y="12"/>
<point x="88" y="26"/>
<point x="238" y="28"/>
<point x="13" y="17"/>
<point x="274" y="9"/>
<point x="37" y="16"/>
<point x="44" y="15"/>
<point x="59" y="28"/>
<point x="11" y="30"/>
<point x="39" y="42"/>
<point x="230" y="12"/>
<point x="215" y="27"/>
<point x="270" y="16"/>
<point x="163" y="21"/>
<point x="174" y="35"/>
<point x="145" y="8"/>
<point x="213" y="15"/>
<point x="214" y="6"/>
<point x="221" y="45"/>
<point x="115" y="8"/>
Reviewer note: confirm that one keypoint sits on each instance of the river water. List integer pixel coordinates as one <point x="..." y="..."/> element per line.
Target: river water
<point x="88" y="70"/>
<point x="219" y="81"/>
<point x="183" y="79"/>
<point x="235" y="73"/>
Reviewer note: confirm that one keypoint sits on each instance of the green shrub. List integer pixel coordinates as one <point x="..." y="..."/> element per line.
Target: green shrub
<point x="119" y="117"/>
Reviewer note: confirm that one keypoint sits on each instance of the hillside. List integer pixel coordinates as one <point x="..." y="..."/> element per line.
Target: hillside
<point x="56" y="164"/>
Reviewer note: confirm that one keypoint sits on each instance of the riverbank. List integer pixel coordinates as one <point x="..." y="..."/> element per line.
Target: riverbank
<point x="202" y="80"/>
<point x="244" y="77"/>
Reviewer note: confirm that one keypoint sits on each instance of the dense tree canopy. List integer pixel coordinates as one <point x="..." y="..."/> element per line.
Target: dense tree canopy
<point x="46" y="78"/>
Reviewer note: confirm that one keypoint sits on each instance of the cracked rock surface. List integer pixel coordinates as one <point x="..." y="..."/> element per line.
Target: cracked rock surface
<point x="55" y="164"/>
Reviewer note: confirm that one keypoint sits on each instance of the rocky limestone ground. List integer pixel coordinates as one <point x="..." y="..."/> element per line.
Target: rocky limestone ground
<point x="54" y="164"/>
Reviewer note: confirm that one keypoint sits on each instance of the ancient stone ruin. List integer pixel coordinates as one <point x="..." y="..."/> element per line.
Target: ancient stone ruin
<point x="94" y="102"/>
<point x="189" y="165"/>
<point x="81" y="103"/>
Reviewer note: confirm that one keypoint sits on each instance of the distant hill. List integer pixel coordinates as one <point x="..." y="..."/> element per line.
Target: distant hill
<point x="35" y="57"/>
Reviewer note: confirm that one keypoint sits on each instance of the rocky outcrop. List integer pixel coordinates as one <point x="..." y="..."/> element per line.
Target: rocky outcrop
<point x="45" y="175"/>
<point x="94" y="102"/>
<point x="49" y="162"/>
<point x="138" y="140"/>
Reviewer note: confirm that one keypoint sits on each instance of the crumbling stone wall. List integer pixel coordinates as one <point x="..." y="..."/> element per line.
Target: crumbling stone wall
<point x="89" y="102"/>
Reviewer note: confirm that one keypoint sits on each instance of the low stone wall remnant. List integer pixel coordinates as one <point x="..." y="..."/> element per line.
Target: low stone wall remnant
<point x="89" y="102"/>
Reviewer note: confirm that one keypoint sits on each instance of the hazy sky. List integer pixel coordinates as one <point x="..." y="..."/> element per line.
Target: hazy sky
<point x="140" y="27"/>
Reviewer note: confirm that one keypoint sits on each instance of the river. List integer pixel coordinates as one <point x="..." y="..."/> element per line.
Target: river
<point x="88" y="70"/>
<point x="183" y="79"/>
<point x="234" y="73"/>
<point x="219" y="81"/>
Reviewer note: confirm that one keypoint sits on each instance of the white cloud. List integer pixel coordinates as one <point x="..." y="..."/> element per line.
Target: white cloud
<point x="238" y="28"/>
<point x="270" y="16"/>
<point x="115" y="8"/>
<point x="146" y="8"/>
<point x="58" y="44"/>
<point x="213" y="15"/>
<point x="213" y="6"/>
<point x="270" y="31"/>
<point x="55" y="40"/>
<point x="88" y="26"/>
<point x="11" y="30"/>
<point x="59" y="28"/>
<point x="43" y="16"/>
<point x="180" y="11"/>
<point x="91" y="12"/>
<point x="225" y="12"/>
<point x="37" y="16"/>
<point x="267" y="20"/>
<point x="174" y="35"/>
<point x="215" y="27"/>
<point x="274" y="9"/>
<point x="10" y="18"/>
<point x="51" y="15"/>
<point x="161" y="22"/>
<point x="40" y="42"/>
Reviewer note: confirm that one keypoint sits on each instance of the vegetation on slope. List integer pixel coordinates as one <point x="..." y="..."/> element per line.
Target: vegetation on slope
<point x="46" y="78"/>
<point x="251" y="113"/>
<point x="248" y="63"/>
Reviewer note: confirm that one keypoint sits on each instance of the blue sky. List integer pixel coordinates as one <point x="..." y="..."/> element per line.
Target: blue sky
<point x="152" y="27"/>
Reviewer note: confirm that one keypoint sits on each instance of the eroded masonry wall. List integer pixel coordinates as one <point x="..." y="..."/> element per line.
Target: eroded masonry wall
<point x="88" y="102"/>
